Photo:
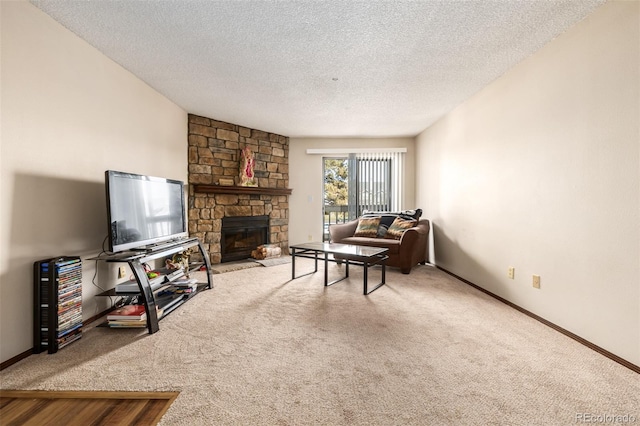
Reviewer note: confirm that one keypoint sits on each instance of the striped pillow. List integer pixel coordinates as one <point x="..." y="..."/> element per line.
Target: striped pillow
<point x="398" y="227"/>
<point x="367" y="227"/>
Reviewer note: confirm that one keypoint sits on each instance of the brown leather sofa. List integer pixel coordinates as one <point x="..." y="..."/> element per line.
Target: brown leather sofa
<point x="405" y="253"/>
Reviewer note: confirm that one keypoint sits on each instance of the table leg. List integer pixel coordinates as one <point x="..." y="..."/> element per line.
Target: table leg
<point x="293" y="264"/>
<point x="384" y="268"/>
<point x="366" y="276"/>
<point x="326" y="269"/>
<point x="382" y="260"/>
<point x="302" y="253"/>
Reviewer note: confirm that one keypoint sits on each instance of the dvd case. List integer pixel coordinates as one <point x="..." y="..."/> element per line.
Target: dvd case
<point x="57" y="303"/>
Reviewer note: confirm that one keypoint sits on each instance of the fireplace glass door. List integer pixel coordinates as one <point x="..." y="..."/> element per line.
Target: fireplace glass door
<point x="241" y="235"/>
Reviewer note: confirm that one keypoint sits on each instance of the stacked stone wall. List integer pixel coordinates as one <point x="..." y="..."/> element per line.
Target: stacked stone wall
<point x="214" y="158"/>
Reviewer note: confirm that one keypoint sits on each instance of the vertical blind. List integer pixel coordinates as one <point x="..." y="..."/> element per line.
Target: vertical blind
<point x="378" y="180"/>
<point x="375" y="178"/>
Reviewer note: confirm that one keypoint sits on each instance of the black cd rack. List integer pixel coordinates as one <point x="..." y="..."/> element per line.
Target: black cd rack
<point x="57" y="289"/>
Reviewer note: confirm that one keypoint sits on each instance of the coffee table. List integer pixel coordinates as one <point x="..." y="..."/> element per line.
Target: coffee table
<point x="349" y="253"/>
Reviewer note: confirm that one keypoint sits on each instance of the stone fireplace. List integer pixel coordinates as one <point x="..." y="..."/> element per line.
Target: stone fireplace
<point x="215" y="198"/>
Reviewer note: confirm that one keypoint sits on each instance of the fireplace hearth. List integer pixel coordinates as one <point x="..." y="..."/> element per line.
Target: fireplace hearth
<point x="242" y="234"/>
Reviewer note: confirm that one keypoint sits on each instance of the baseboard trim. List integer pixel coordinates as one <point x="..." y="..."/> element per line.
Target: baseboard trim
<point x="567" y="333"/>
<point x="8" y="363"/>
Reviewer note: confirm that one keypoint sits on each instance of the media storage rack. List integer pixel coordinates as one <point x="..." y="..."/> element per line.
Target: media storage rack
<point x="57" y="303"/>
<point x="150" y="289"/>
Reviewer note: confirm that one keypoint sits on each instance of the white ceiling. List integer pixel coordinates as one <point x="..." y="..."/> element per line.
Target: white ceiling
<point x="319" y="68"/>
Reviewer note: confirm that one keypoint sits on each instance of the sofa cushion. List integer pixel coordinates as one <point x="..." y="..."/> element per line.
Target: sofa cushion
<point x="367" y="227"/>
<point x="387" y="218"/>
<point x="398" y="227"/>
<point x="392" y="245"/>
<point x="382" y="230"/>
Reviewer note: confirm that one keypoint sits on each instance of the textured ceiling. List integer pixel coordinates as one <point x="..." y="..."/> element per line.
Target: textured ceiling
<point x="319" y="68"/>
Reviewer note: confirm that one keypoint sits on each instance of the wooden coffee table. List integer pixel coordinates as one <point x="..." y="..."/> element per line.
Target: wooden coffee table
<point x="359" y="255"/>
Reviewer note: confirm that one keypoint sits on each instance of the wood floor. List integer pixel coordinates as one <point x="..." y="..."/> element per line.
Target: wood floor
<point x="83" y="408"/>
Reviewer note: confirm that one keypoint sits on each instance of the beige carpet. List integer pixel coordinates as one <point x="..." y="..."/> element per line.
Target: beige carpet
<point x="423" y="350"/>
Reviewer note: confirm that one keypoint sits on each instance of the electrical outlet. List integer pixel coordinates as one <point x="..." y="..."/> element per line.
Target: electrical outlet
<point x="121" y="272"/>
<point x="511" y="273"/>
<point x="536" y="281"/>
<point x="310" y="237"/>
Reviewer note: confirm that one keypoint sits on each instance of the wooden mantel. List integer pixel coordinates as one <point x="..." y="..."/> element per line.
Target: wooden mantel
<point x="221" y="189"/>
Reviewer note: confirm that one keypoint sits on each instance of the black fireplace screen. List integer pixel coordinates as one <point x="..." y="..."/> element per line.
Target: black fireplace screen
<point x="241" y="235"/>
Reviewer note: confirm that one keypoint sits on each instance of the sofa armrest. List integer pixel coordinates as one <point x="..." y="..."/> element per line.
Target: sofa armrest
<point x="421" y="230"/>
<point x="413" y="244"/>
<point x="339" y="231"/>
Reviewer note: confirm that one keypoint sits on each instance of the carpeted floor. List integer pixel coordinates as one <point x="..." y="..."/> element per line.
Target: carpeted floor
<point x="424" y="349"/>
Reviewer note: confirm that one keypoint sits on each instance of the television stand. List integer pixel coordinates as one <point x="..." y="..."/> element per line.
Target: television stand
<point x="148" y="289"/>
<point x="159" y="246"/>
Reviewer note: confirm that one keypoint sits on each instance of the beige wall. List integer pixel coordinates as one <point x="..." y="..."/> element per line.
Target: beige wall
<point x="305" y="178"/>
<point x="540" y="171"/>
<point x="68" y="114"/>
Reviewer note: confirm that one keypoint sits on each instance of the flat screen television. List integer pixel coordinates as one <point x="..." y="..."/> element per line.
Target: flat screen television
<point x="143" y="210"/>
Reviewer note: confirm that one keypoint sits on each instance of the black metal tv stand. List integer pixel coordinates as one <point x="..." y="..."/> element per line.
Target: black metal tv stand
<point x="159" y="246"/>
<point x="148" y="288"/>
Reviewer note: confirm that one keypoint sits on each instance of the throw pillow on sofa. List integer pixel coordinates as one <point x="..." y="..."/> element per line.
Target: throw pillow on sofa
<point x="382" y="230"/>
<point x="387" y="218"/>
<point x="367" y="227"/>
<point x="398" y="227"/>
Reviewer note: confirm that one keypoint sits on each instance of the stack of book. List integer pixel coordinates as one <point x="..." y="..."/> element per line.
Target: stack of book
<point x="185" y="285"/>
<point x="129" y="316"/>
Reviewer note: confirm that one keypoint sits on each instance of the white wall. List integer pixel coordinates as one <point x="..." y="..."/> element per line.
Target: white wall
<point x="68" y="114"/>
<point x="305" y="178"/>
<point x="541" y="171"/>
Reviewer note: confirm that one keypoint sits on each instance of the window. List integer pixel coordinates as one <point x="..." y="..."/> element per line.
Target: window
<point x="358" y="181"/>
